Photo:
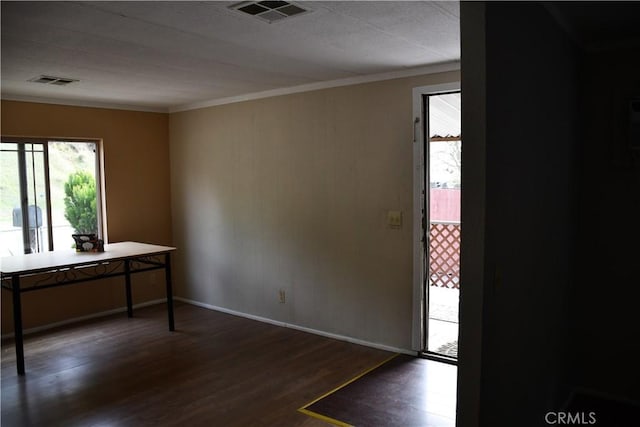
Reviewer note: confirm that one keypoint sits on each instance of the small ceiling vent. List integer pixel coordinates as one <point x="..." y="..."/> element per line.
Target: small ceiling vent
<point x="50" y="80"/>
<point x="269" y="11"/>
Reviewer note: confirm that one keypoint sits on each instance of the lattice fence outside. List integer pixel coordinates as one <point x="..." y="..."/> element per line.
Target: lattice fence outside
<point x="444" y="255"/>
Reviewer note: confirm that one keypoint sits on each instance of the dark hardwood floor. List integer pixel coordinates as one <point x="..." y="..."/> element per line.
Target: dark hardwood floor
<point x="214" y="370"/>
<point x="404" y="391"/>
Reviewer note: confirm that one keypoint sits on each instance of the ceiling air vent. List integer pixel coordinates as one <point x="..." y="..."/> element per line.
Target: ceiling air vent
<point x="50" y="80"/>
<point x="269" y="11"/>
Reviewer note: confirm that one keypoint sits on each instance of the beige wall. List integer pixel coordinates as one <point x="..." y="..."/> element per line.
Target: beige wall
<point x="291" y="192"/>
<point x="136" y="163"/>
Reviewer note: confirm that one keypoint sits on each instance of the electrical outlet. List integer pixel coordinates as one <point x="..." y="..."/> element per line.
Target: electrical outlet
<point x="283" y="296"/>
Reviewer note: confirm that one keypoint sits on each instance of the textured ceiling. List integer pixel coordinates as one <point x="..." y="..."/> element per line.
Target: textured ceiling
<point x="164" y="55"/>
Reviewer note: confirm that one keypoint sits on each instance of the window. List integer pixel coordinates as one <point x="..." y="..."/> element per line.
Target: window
<point x="49" y="190"/>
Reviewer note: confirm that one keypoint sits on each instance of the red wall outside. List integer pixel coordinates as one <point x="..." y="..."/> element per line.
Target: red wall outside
<point x="444" y="204"/>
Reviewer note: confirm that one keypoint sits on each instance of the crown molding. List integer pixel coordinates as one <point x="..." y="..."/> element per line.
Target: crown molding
<point x="412" y="72"/>
<point x="83" y="103"/>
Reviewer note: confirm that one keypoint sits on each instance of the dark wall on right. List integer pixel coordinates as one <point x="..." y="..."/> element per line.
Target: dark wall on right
<point x="550" y="211"/>
<point x="605" y="318"/>
<point x="532" y="169"/>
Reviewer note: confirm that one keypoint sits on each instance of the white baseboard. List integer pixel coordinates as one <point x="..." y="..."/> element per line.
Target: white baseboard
<point x="297" y="327"/>
<point x="87" y="317"/>
<point x="222" y="310"/>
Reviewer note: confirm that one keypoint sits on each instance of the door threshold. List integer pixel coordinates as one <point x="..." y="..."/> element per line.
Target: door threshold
<point x="438" y="357"/>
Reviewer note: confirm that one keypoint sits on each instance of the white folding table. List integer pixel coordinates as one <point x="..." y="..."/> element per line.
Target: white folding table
<point x="64" y="267"/>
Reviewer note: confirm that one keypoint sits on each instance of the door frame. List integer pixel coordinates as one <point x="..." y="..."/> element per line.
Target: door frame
<point x="420" y="129"/>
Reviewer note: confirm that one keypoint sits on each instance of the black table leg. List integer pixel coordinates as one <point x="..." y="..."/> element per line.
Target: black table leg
<point x="127" y="283"/>
<point x="17" y="323"/>
<point x="167" y="271"/>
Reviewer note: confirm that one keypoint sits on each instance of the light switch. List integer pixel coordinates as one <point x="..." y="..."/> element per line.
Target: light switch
<point x="394" y="219"/>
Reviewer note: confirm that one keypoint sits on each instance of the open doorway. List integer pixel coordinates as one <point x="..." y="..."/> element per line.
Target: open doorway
<point x="443" y="255"/>
<point x="437" y="195"/>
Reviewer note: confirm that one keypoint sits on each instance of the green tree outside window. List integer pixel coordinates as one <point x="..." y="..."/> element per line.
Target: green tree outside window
<point x="80" y="202"/>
